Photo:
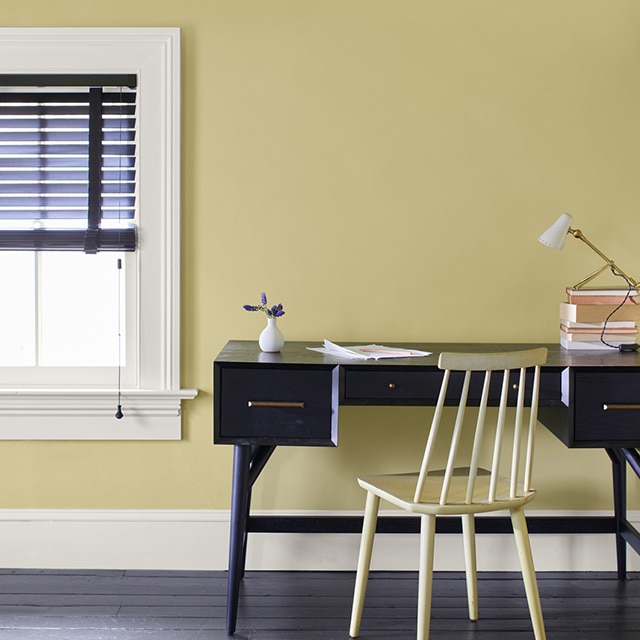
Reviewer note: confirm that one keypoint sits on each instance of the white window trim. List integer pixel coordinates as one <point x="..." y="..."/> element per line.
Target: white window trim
<point x="152" y="406"/>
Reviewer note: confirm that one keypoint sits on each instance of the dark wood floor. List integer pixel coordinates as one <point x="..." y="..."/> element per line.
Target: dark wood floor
<point x="131" y="605"/>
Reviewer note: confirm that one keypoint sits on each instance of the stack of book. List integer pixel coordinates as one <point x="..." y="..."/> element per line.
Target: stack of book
<point x="583" y="318"/>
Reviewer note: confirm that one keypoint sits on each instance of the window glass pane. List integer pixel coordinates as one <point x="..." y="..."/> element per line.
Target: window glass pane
<point x="17" y="311"/>
<point x="79" y="308"/>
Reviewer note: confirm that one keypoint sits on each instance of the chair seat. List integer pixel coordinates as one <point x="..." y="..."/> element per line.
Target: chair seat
<point x="399" y="489"/>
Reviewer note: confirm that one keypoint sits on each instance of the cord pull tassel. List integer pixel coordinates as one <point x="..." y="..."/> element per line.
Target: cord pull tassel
<point x="119" y="414"/>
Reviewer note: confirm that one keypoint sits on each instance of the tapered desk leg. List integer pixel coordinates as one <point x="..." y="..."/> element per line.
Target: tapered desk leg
<point x="248" y="462"/>
<point x="620" y="507"/>
<point x="243" y="562"/>
<point x="240" y="492"/>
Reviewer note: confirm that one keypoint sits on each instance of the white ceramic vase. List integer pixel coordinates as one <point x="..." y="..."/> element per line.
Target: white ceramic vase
<point x="271" y="339"/>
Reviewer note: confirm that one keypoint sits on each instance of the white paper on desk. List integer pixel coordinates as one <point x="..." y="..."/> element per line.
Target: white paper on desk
<point x="368" y="351"/>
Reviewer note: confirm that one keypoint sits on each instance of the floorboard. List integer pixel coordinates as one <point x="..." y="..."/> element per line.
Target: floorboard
<point x="132" y="605"/>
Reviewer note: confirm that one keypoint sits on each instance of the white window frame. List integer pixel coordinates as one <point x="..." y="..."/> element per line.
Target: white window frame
<point x="151" y="406"/>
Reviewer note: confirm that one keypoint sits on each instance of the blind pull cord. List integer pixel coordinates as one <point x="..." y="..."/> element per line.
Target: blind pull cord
<point x="119" y="415"/>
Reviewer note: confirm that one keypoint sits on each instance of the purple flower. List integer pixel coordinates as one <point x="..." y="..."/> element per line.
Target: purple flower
<point x="275" y="311"/>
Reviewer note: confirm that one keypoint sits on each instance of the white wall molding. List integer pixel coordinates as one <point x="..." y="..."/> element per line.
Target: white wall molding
<point x="89" y="414"/>
<point x="198" y="540"/>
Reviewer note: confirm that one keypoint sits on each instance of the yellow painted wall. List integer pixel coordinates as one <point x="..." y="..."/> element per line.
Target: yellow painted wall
<point x="383" y="168"/>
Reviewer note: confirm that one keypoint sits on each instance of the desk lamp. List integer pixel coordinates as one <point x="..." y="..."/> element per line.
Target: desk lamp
<point x="555" y="236"/>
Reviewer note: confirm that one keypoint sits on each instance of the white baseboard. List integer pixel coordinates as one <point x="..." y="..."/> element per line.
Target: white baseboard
<point x="198" y="540"/>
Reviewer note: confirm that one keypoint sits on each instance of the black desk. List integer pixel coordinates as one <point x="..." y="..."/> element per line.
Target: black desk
<point x="262" y="401"/>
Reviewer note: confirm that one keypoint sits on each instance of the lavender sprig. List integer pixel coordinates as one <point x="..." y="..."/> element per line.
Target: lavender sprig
<point x="275" y="311"/>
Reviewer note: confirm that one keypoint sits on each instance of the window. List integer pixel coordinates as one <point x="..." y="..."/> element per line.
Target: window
<point x="80" y="335"/>
<point x="67" y="185"/>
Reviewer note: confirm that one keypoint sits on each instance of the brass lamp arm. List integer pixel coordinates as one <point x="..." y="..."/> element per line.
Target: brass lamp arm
<point x="576" y="233"/>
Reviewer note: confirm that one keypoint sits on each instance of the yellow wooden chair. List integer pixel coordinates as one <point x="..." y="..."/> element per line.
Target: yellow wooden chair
<point x="461" y="486"/>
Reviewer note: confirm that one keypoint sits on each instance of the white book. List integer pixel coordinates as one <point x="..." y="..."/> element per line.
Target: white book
<point x="612" y="324"/>
<point x="567" y="344"/>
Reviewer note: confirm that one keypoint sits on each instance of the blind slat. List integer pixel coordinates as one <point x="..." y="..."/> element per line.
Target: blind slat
<point x="65" y="174"/>
<point x="66" y="240"/>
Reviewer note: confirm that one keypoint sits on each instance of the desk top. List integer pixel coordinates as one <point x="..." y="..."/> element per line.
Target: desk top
<point x="297" y="353"/>
<point x="575" y="407"/>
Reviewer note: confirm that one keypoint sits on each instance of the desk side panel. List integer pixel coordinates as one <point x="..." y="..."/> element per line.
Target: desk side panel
<point x="607" y="406"/>
<point x="602" y="408"/>
<point x="283" y="405"/>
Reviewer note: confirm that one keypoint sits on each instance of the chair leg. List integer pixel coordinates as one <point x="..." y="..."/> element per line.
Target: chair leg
<point x="364" y="561"/>
<point x="469" y="539"/>
<point x="425" y="575"/>
<point x="528" y="572"/>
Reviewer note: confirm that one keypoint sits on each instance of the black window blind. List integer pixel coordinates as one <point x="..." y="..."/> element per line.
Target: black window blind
<point x="68" y="162"/>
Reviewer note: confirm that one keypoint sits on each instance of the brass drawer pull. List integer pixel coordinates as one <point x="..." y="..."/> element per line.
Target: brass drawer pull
<point x="266" y="403"/>
<point x="606" y="407"/>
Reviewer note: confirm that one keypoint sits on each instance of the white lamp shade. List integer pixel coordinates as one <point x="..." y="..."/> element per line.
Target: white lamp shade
<point x="556" y="234"/>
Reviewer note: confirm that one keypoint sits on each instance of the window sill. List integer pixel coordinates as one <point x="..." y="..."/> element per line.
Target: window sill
<point x="89" y="414"/>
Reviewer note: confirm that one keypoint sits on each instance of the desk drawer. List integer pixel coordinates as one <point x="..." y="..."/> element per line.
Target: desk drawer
<point x="607" y="407"/>
<point x="391" y="385"/>
<point x="276" y="406"/>
<point x="414" y="387"/>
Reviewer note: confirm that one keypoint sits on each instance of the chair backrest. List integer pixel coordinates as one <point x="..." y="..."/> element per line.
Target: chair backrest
<point x="514" y="464"/>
